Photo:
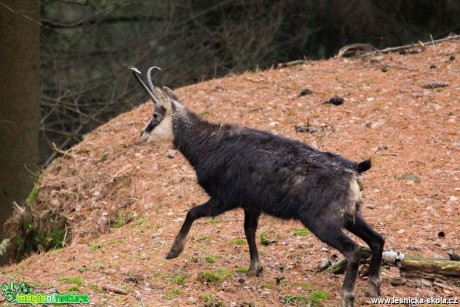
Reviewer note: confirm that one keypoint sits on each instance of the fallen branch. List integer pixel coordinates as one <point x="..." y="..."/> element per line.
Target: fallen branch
<point x="115" y="290"/>
<point x="366" y="48"/>
<point x="442" y="273"/>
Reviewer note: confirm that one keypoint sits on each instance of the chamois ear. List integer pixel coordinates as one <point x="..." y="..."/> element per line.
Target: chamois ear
<point x="170" y="93"/>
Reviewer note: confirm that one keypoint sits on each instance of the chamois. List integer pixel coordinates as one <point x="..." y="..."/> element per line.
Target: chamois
<point x="260" y="172"/>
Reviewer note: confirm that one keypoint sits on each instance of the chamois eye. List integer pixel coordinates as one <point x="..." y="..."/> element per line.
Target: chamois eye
<point x="155" y="115"/>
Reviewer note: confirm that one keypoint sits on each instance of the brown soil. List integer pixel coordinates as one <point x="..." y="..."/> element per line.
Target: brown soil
<point x="125" y="202"/>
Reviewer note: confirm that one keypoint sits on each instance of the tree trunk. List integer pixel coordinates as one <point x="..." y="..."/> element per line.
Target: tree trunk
<point x="19" y="101"/>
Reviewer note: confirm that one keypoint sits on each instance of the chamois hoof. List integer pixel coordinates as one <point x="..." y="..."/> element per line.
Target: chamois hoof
<point x="172" y="255"/>
<point x="176" y="250"/>
<point x="372" y="291"/>
<point x="348" y="299"/>
<point x="373" y="288"/>
<point x="255" y="270"/>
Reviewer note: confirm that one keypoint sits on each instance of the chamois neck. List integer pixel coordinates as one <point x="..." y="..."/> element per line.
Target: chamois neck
<point x="193" y="136"/>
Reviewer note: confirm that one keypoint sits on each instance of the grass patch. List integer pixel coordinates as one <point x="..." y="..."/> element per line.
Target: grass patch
<point x="242" y="270"/>
<point x="96" y="288"/>
<point x="223" y="272"/>
<point x="104" y="158"/>
<point x="82" y="269"/>
<point x="265" y="241"/>
<point x="122" y="219"/>
<point x="205" y="113"/>
<point x="209" y="277"/>
<point x="210" y="259"/>
<point x="180" y="280"/>
<point x="172" y="293"/>
<point x="237" y="241"/>
<point x="307" y="286"/>
<point x="95" y="246"/>
<point x="411" y="178"/>
<point x="72" y="280"/>
<point x="301" y="232"/>
<point x="318" y="296"/>
<point x="208" y="297"/>
<point x="292" y="299"/>
<point x="315" y="299"/>
<point x="204" y="240"/>
<point x="73" y="289"/>
<point x="267" y="286"/>
<point x="211" y="301"/>
<point x="213" y="220"/>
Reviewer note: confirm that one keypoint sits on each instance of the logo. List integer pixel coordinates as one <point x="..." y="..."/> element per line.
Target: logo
<point x="22" y="294"/>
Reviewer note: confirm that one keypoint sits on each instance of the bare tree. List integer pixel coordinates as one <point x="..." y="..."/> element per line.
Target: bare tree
<point x="19" y="100"/>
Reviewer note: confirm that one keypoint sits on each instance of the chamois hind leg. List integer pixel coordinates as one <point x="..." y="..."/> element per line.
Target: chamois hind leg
<point x="210" y="208"/>
<point x="250" y="227"/>
<point x="375" y="241"/>
<point x="330" y="232"/>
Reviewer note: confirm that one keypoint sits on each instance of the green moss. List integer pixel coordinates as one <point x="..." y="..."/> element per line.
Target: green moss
<point x="57" y="237"/>
<point x="32" y="197"/>
<point x="242" y="270"/>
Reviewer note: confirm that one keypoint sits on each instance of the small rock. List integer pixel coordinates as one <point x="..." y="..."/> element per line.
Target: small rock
<point x="171" y="153"/>
<point x="384" y="68"/>
<point x="452" y="58"/>
<point x="336" y="100"/>
<point x="432" y="66"/>
<point x="305" y="92"/>
<point x="453" y="256"/>
<point x="305" y="128"/>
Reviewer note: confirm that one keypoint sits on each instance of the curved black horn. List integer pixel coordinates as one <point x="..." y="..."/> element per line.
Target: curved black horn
<point x="136" y="74"/>
<point x="149" y="79"/>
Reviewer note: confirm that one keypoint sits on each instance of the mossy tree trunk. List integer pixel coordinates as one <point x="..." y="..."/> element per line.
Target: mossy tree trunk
<point x="19" y="100"/>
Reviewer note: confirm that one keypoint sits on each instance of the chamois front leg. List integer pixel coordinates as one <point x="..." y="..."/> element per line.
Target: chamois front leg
<point x="250" y="227"/>
<point x="210" y="208"/>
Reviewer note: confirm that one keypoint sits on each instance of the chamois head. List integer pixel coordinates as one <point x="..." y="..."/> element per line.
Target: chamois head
<point x="159" y="128"/>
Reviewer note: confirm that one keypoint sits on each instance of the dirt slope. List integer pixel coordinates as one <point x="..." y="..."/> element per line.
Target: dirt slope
<point x="123" y="203"/>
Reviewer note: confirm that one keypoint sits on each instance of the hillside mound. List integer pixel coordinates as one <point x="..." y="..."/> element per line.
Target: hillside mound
<point x="116" y="204"/>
